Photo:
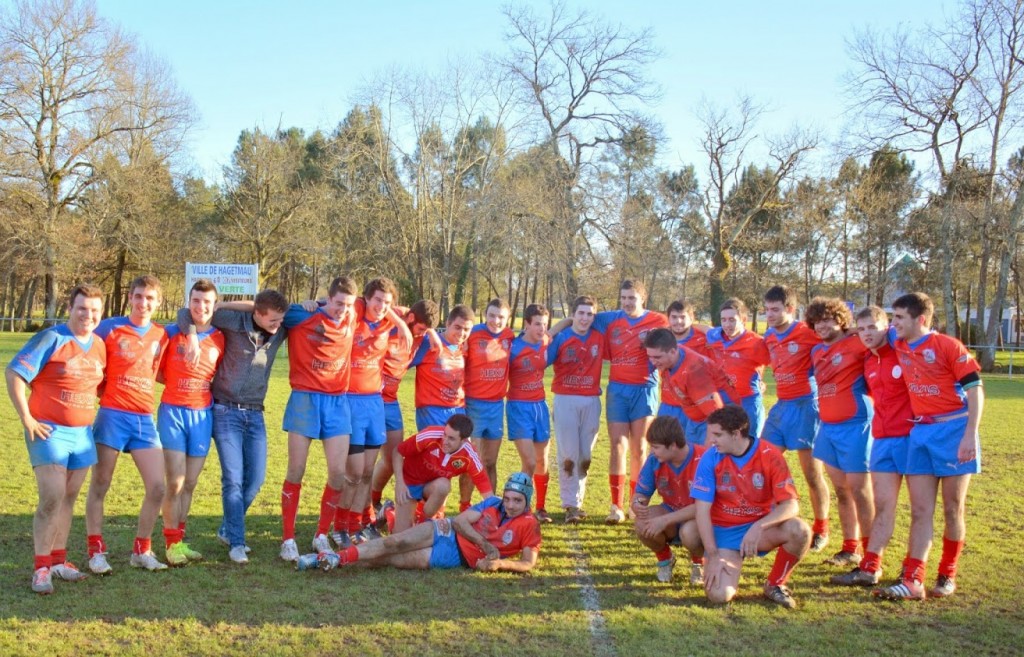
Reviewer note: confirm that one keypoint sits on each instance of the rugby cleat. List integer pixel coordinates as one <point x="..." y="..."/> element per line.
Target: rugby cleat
<point x="944" y="587"/>
<point x="68" y="572"/>
<point x="146" y="560"/>
<point x="572" y="516"/>
<point x="615" y="516"/>
<point x="907" y="589"/>
<point x="98" y="564"/>
<point x="818" y="542"/>
<point x="289" y="550"/>
<point x="857" y="577"/>
<point x="843" y="558"/>
<point x="42" y="581"/>
<point x="543" y="517"/>
<point x="780" y="595"/>
<point x="664" y="573"/>
<point x="321" y="543"/>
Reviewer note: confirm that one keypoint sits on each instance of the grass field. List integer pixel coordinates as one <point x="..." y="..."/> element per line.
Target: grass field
<point x="266" y="608"/>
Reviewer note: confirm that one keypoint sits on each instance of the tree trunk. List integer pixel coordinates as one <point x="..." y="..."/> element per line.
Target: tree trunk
<point x="1007" y="248"/>
<point x="721" y="265"/>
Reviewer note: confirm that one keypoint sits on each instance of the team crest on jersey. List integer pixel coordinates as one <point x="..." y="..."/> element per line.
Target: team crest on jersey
<point x="506" y="537"/>
<point x="570" y="353"/>
<point x="320" y="329"/>
<point x="123" y="344"/>
<point x="929" y="356"/>
<point x="458" y="463"/>
<point x="726" y="478"/>
<point x="643" y="335"/>
<point x="758" y="480"/>
<point x="593" y="351"/>
<point x="617" y="335"/>
<point x="506" y="343"/>
<point x="793" y="347"/>
<point x="897" y="371"/>
<point x="662" y="482"/>
<point x="837" y="358"/>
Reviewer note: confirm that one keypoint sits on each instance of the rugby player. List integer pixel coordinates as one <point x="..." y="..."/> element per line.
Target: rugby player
<point x="742" y="355"/>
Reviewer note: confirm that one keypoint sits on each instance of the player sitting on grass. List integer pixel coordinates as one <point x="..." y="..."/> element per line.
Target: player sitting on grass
<point x="486" y="536"/>
<point x="669" y="471"/>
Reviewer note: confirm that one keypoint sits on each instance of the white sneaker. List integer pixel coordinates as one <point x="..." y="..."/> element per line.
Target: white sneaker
<point x="238" y="554"/>
<point x="68" y="572"/>
<point x="664" y="573"/>
<point x="615" y="516"/>
<point x="224" y="539"/>
<point x="146" y="560"/>
<point x="322" y="544"/>
<point x="696" y="574"/>
<point x="289" y="550"/>
<point x="98" y="564"/>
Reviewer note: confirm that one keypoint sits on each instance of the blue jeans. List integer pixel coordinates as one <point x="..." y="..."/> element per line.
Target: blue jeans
<point x="241" y="439"/>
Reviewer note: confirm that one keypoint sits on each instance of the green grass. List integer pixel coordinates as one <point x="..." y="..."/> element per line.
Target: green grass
<point x="266" y="608"/>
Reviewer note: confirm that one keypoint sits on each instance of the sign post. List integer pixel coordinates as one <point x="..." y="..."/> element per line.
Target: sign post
<point x="240" y="280"/>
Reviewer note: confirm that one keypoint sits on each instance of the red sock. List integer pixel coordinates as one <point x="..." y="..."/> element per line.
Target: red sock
<point x="632" y="488"/>
<point x="369" y="516"/>
<point x="329" y="501"/>
<point x="142" y="545"/>
<point x="850" y="545"/>
<point x="340" y="519"/>
<point x="950" y="556"/>
<point x="355" y="521"/>
<point x="871" y="563"/>
<point x="783" y="566"/>
<point x="820" y="526"/>
<point x="376" y="496"/>
<point x="172" y="536"/>
<point x="289" y="508"/>
<point x="389" y="516"/>
<point x="615" y="483"/>
<point x="697" y="560"/>
<point x="95" y="544"/>
<point x="664" y="554"/>
<point x="43" y="561"/>
<point x="181" y="526"/>
<point x="58" y="557"/>
<point x="864" y="544"/>
<point x="914" y="569"/>
<point x="540" y="483"/>
<point x="349" y="554"/>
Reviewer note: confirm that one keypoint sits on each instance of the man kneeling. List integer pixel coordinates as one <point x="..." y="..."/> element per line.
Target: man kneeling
<point x="746" y="506"/>
<point x="669" y="471"/>
<point x="484" y="537"/>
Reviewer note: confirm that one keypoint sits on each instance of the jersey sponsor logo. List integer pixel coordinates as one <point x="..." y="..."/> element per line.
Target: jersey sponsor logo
<point x="929" y="355"/>
<point x="923" y="389"/>
<point x="897" y="371"/>
<point x="506" y="537"/>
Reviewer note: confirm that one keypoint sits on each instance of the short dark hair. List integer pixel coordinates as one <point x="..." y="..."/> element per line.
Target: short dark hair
<point x="661" y="338"/>
<point x="498" y="303"/>
<point x="874" y="313"/>
<point x="680" y="306"/>
<point x="534" y="310"/>
<point x="583" y="301"/>
<point x="146" y="282"/>
<point x="87" y="290"/>
<point x="268" y="300"/>
<point x="916" y="304"/>
<point x="781" y="294"/>
<point x="382" y="284"/>
<point x="342" y="285"/>
<point x="462" y="424"/>
<point x="461" y="311"/>
<point x="638" y="286"/>
<point x="731" y="418"/>
<point x="426" y="312"/>
<point x="666" y="430"/>
<point x="203" y="285"/>
<point x="736" y="304"/>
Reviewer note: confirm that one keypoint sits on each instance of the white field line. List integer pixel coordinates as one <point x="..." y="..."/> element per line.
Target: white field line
<point x="600" y="638"/>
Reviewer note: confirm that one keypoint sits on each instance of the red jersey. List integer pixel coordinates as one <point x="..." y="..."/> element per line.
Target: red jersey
<point x="369" y="347"/>
<point x="693" y="385"/>
<point x="133" y="357"/>
<point x="884" y="378"/>
<point x="742" y="359"/>
<point x="510" y="535"/>
<point x="425" y="461"/>
<point x="577" y="361"/>
<point x="839" y="370"/>
<point x="185" y="385"/>
<point x="932" y="368"/>
<point x="439" y="375"/>
<point x="63" y="374"/>
<point x="526" y="370"/>
<point x="696" y="341"/>
<point x="790" y="353"/>
<point x="671" y="483"/>
<point x="319" y="350"/>
<point x="487" y="363"/>
<point x="743" y="489"/>
<point x="624" y="344"/>
<point x="395" y="365"/>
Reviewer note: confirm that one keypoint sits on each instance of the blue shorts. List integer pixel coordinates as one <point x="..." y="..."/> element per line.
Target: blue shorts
<point x="393" y="417"/>
<point x="435" y="416"/>
<point x="368" y="428"/>
<point x="932" y="448"/>
<point x="845" y="446"/>
<point x="488" y="418"/>
<point x="696" y="432"/>
<point x="889" y="455"/>
<point x="70" y="447"/>
<point x="317" y="415"/>
<point x="125" y="431"/>
<point x="416" y="491"/>
<point x="528" y="421"/>
<point x="792" y="423"/>
<point x="730" y="538"/>
<point x="626" y="402"/>
<point x="445" y="551"/>
<point x="184" y="429"/>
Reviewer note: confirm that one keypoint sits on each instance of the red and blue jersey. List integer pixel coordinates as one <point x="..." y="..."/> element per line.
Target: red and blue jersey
<point x="695" y="340"/>
<point x="790" y="352"/>
<point x="133" y="357"/>
<point x="839" y="370"/>
<point x="319" y="350"/>
<point x="487" y="365"/>
<point x="624" y="344"/>
<point x="63" y="373"/>
<point x="742" y="359"/>
<point x="577" y="361"/>
<point x="932" y="368"/>
<point x="396" y="364"/>
<point x="884" y="377"/>
<point x="526" y="370"/>
<point x="693" y="385"/>
<point x="425" y="461"/>
<point x="510" y="535"/>
<point x="439" y="375"/>
<point x="184" y="384"/>
<point x="743" y="489"/>
<point x="672" y="483"/>
<point x="369" y="348"/>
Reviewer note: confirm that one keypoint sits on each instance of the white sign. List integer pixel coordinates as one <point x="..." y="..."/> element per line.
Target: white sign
<point x="241" y="280"/>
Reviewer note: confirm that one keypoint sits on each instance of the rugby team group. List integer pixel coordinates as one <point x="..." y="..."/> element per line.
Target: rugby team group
<point x="692" y="393"/>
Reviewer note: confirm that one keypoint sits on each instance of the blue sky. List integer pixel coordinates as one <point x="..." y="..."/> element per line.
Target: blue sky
<point x="299" y="63"/>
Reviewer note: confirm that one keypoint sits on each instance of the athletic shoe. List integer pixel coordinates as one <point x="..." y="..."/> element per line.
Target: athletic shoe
<point x="328" y="560"/>
<point x="906" y="589"/>
<point x="238" y="554"/>
<point x="98" y="564"/>
<point x="818" y="542"/>
<point x="843" y="558"/>
<point x="289" y="550"/>
<point x="780" y="595"/>
<point x="543" y="517"/>
<point x="42" y="581"/>
<point x="342" y="540"/>
<point x="223" y="538"/>
<point x="369" y="533"/>
<point x="176" y="555"/>
<point x="615" y="516"/>
<point x="146" y="560"/>
<point x="664" y="574"/>
<point x="696" y="574"/>
<point x="68" y="572"/>
<point x="308" y="562"/>
<point x="572" y="515"/>
<point x="582" y="513"/>
<point x="382" y="515"/>
<point x="857" y="577"/>
<point x="321" y="543"/>
<point x="944" y="587"/>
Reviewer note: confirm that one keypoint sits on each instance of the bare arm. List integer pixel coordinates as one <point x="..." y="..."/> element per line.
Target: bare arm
<point x="524" y="564"/>
<point x="463" y="525"/>
<point x="245" y="305"/>
<point x="559" y="326"/>
<point x="16" y="390"/>
<point x="404" y="334"/>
